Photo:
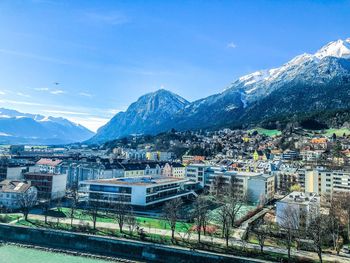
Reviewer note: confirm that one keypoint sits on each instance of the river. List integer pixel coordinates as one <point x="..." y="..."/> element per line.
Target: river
<point x="16" y="254"/>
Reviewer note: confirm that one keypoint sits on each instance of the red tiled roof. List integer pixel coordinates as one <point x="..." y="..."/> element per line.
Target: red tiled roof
<point x="50" y="162"/>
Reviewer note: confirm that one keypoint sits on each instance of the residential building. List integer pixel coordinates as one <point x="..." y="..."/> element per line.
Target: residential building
<point x="256" y="187"/>
<point x="188" y="159"/>
<point x="46" y="165"/>
<point x="141" y="169"/>
<point x="50" y="186"/>
<point x="195" y="173"/>
<point x="297" y="208"/>
<point x="332" y="181"/>
<point x="174" y="170"/>
<point x="311" y="155"/>
<point x="14" y="192"/>
<point x="290" y="155"/>
<point x="86" y="169"/>
<point x="261" y="188"/>
<point x="12" y="171"/>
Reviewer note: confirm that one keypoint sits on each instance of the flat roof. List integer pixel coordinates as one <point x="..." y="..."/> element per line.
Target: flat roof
<point x="300" y="198"/>
<point x="144" y="180"/>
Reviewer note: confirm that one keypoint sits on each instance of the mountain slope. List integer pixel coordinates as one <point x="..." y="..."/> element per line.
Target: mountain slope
<point x="307" y="83"/>
<point x="24" y="128"/>
<point x="239" y="103"/>
<point x="146" y="115"/>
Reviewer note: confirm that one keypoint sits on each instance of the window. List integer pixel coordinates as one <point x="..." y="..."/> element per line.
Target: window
<point x="110" y="189"/>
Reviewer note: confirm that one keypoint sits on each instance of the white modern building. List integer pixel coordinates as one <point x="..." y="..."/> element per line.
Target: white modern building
<point x="257" y="187"/>
<point x="297" y="209"/>
<point x="137" y="191"/>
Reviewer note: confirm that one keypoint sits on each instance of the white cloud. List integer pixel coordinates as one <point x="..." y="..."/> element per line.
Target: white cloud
<point x="113" y="111"/>
<point x="57" y="92"/>
<point x="231" y="45"/>
<point x="15" y="102"/>
<point x="2" y="92"/>
<point x="111" y="18"/>
<point x="63" y="112"/>
<point x="51" y="91"/>
<point x="41" y="89"/>
<point x="23" y="95"/>
<point x="92" y="123"/>
<point x="85" y="94"/>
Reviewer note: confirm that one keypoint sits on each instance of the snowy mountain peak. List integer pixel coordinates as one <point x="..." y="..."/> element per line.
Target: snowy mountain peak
<point x="339" y="49"/>
<point x="26" y="128"/>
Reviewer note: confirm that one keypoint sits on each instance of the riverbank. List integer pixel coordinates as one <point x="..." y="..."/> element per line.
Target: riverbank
<point x="111" y="247"/>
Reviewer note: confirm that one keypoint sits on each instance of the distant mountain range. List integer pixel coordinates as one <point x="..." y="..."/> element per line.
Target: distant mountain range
<point x="308" y="84"/>
<point x="24" y="128"/>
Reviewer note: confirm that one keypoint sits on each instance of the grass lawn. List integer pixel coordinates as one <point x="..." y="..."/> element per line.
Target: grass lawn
<point x="242" y="212"/>
<point x="7" y="218"/>
<point x="161" y="224"/>
<point x="338" y="132"/>
<point x="78" y="214"/>
<point x="142" y="221"/>
<point x="266" y="132"/>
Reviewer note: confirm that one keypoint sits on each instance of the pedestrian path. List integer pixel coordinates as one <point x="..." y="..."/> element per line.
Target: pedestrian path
<point x="209" y="239"/>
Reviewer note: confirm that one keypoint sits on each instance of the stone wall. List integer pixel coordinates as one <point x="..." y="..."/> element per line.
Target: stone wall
<point x="111" y="247"/>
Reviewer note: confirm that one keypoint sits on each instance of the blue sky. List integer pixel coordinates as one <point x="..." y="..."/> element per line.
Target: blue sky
<point x="105" y="54"/>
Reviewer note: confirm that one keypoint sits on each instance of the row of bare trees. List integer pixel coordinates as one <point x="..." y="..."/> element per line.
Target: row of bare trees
<point x="322" y="230"/>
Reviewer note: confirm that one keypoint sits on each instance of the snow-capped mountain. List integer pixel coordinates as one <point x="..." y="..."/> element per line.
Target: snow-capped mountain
<point x="17" y="127"/>
<point x="262" y="83"/>
<point x="308" y="83"/>
<point x="146" y="115"/>
<point x="328" y="67"/>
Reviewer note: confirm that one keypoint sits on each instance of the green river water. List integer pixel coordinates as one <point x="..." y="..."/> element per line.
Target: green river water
<point x="15" y="254"/>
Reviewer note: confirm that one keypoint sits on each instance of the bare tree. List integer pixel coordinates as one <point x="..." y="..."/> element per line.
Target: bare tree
<point x="318" y="232"/>
<point x="225" y="220"/>
<point x="132" y="223"/>
<point x="120" y="212"/>
<point x="59" y="210"/>
<point x="92" y="211"/>
<point x="74" y="200"/>
<point x="45" y="206"/>
<point x="262" y="233"/>
<point x="172" y="213"/>
<point x="345" y="206"/>
<point x="235" y="199"/>
<point x="27" y="200"/>
<point x="218" y="186"/>
<point x="289" y="224"/>
<point x="335" y="225"/>
<point x="200" y="215"/>
<point x="185" y="234"/>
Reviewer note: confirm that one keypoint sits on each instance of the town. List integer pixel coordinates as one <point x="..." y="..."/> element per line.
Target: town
<point x="270" y="194"/>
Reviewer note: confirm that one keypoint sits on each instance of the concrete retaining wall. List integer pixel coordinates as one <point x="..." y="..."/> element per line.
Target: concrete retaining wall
<point x="111" y="247"/>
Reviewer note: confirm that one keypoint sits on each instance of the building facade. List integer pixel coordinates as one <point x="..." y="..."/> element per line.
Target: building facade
<point x="297" y="209"/>
<point x="50" y="186"/>
<point x="137" y="191"/>
<point x="14" y="192"/>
